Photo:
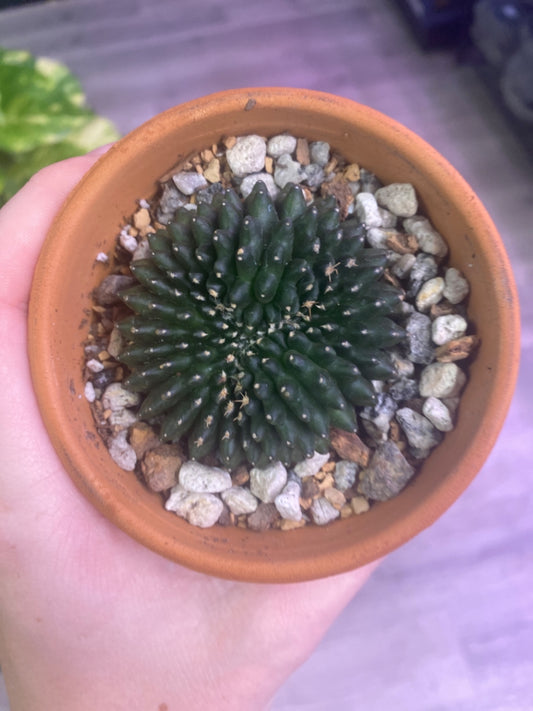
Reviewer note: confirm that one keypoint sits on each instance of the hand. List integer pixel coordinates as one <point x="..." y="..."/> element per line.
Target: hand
<point x="90" y="619"/>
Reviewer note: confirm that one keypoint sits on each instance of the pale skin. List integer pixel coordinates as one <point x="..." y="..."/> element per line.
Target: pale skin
<point x="90" y="619"/>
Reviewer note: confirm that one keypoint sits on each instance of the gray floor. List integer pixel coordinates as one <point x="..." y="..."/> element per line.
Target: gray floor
<point x="447" y="622"/>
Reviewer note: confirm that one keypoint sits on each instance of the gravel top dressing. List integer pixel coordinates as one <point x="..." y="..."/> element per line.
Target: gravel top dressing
<point x="280" y="341"/>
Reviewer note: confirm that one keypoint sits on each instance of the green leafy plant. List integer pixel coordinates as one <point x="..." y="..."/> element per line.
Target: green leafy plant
<point x="257" y="326"/>
<point x="43" y="118"/>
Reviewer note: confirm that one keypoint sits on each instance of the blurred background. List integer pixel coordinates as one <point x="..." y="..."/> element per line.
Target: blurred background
<point x="446" y="623"/>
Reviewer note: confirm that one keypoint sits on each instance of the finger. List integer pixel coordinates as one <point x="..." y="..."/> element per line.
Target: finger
<point x="26" y="218"/>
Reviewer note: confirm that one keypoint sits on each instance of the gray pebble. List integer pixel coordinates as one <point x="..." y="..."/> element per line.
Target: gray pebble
<point x="369" y="182"/>
<point x="267" y="483"/>
<point x="288" y="502"/>
<point x="94" y="365"/>
<point x="313" y="175"/>
<point x="418" y="331"/>
<point x="106" y="294"/>
<point x="345" y="474"/>
<point x="206" y="195"/>
<point x="446" y="328"/>
<point x="377" y="237"/>
<point x="247" y="155"/>
<point x="404" y="389"/>
<point x="420" y="433"/>
<point x="403" y="266"/>
<point x="189" y="182"/>
<point x="380" y="415"/>
<point x="287" y="170"/>
<point x="239" y="500"/>
<point x="424" y="268"/>
<point x="441" y="380"/>
<point x="250" y="180"/>
<point x="366" y="209"/>
<point x="196" y="477"/>
<point x="322" y="512"/>
<point x="429" y="240"/>
<point x="171" y="199"/>
<point x="456" y="287"/>
<point x="278" y="145"/>
<point x="319" y="151"/>
<point x="386" y="474"/>
<point x="388" y="220"/>
<point x="311" y="465"/>
<point x="403" y="366"/>
<point x="438" y="414"/>
<point x="398" y="198"/>
<point x="121" y="451"/>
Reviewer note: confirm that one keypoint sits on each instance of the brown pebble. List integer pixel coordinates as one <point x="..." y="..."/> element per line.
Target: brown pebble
<point x="141" y="218"/>
<point x="401" y="243"/>
<point x="346" y="511"/>
<point x="349" y="446"/>
<point x="207" y="155"/>
<point x="341" y="191"/>
<point x="287" y="525"/>
<point x="306" y="504"/>
<point x="142" y="438"/>
<point x="226" y="518"/>
<point x="326" y="482"/>
<point x="310" y="488"/>
<point x="240" y="476"/>
<point x="212" y="171"/>
<point x="330" y="167"/>
<point x="359" y="504"/>
<point x="458" y="349"/>
<point x="269" y="164"/>
<point x="302" y="151"/>
<point x="263" y="517"/>
<point x="328" y="466"/>
<point x="335" y="497"/>
<point x="443" y="308"/>
<point x="160" y="466"/>
<point x="352" y="172"/>
<point x="229" y="142"/>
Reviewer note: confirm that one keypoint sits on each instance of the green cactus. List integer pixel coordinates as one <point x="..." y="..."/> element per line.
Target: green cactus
<point x="258" y="326"/>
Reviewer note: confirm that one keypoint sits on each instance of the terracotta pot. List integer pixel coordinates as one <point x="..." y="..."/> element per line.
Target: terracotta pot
<point x="67" y="273"/>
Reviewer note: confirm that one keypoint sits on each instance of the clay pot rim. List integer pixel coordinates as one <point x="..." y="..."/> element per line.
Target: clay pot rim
<point x="318" y="563"/>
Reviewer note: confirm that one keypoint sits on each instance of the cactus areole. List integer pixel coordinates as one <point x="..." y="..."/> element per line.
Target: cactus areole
<point x="257" y="326"/>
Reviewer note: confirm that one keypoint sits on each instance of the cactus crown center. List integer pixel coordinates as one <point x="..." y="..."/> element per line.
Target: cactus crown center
<point x="258" y="325"/>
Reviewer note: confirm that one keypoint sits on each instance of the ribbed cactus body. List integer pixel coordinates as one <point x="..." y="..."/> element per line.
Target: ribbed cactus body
<point x="257" y="326"/>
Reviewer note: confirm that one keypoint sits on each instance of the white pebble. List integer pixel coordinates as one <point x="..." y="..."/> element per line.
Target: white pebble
<point x="367" y="210"/>
<point x="267" y="483"/>
<point x="403" y="266"/>
<point x="322" y="512"/>
<point x="420" y="432"/>
<point x="89" y="392"/>
<point x="430" y="293"/>
<point x="247" y="155"/>
<point x="399" y="198"/>
<point x="144" y="204"/>
<point x="116" y="398"/>
<point x="446" y="328"/>
<point x="122" y="452"/>
<point x="429" y="240"/>
<point x="441" y="380"/>
<point x="102" y="257"/>
<point x="288" y="502"/>
<point x="377" y="237"/>
<point x="199" y="478"/>
<point x="199" y="509"/>
<point x="438" y="414"/>
<point x="95" y="366"/>
<point x="128" y="242"/>
<point x="250" y="180"/>
<point x="456" y="287"/>
<point x="278" y="145"/>
<point x="311" y="465"/>
<point x="189" y="182"/>
<point x="239" y="500"/>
